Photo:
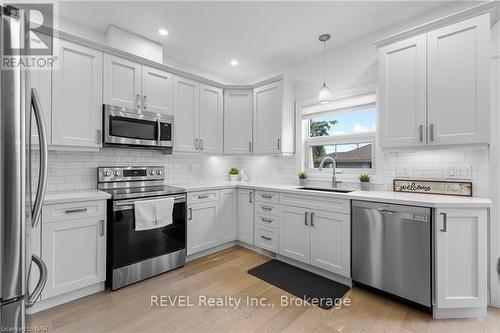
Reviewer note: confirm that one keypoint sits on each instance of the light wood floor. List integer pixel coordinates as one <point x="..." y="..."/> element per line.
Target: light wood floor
<point x="224" y="273"/>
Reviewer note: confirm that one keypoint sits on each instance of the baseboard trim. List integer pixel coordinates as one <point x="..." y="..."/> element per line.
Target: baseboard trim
<point x="459" y="313"/>
<point x="211" y="251"/>
<point x="48" y="303"/>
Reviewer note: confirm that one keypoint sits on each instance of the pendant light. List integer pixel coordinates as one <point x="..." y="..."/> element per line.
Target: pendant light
<point x="324" y="93"/>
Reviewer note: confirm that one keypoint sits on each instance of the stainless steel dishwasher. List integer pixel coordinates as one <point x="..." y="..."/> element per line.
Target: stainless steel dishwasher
<point x="391" y="249"/>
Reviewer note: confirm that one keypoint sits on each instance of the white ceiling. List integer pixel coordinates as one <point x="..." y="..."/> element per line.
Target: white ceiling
<point x="262" y="36"/>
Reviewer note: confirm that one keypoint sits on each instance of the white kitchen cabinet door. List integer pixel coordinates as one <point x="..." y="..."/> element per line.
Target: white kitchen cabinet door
<point x="186" y="114"/>
<point x="294" y="233"/>
<point x="75" y="254"/>
<point x="238" y="122"/>
<point x="245" y="216"/>
<point x="203" y="227"/>
<point x="402" y="93"/>
<point x="156" y="90"/>
<point x="267" y="108"/>
<point x="229" y="214"/>
<point x="461" y="256"/>
<point x="41" y="80"/>
<point x="122" y="82"/>
<point x="211" y="119"/>
<point x="77" y="96"/>
<point x="331" y="242"/>
<point x="458" y="82"/>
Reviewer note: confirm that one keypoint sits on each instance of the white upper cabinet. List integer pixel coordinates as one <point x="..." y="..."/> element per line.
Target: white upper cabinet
<point x="186" y="114"/>
<point x="122" y="82"/>
<point x="198" y="117"/>
<point x="402" y="93"/>
<point x="131" y="85"/>
<point x="211" y="119"/>
<point x="238" y="122"/>
<point x="267" y="103"/>
<point x="156" y="90"/>
<point x="434" y="87"/>
<point x="458" y="82"/>
<point x="77" y="96"/>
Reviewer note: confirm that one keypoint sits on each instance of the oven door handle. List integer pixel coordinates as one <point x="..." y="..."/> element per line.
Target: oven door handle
<point x="129" y="204"/>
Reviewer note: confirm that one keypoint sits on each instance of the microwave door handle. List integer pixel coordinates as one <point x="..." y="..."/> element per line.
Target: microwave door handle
<point x="42" y="138"/>
<point x="158" y="131"/>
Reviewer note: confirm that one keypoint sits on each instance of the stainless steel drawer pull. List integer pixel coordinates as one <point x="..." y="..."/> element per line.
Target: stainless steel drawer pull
<point x="431" y="132"/>
<point x="190" y="213"/>
<point x="305" y="218"/>
<point x="250" y="197"/>
<point x="266" y="196"/>
<point x="266" y="220"/>
<point x="312" y="219"/>
<point x="101" y="227"/>
<point x="267" y="208"/>
<point x="75" y="210"/>
<point x="203" y="197"/>
<point x="445" y="223"/>
<point x="421" y="133"/>
<point x="266" y="238"/>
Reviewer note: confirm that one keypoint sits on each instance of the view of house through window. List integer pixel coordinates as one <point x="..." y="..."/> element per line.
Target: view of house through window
<point x="345" y="135"/>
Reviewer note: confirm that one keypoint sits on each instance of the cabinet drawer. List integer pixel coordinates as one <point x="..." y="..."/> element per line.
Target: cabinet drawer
<point x="267" y="196"/>
<point x="267" y="220"/>
<point x="267" y="208"/>
<point x="266" y="238"/>
<point x="73" y="210"/>
<point x="204" y="196"/>
<point x="330" y="204"/>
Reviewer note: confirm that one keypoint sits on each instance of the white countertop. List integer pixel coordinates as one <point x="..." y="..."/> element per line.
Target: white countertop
<point x="415" y="199"/>
<point x="74" y="196"/>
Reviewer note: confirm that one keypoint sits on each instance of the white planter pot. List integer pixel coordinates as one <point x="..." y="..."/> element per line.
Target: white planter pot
<point x="365" y="186"/>
<point x="302" y="182"/>
<point x="234" y="178"/>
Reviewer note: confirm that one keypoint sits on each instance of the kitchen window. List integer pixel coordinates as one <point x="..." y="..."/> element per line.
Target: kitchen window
<point x="344" y="130"/>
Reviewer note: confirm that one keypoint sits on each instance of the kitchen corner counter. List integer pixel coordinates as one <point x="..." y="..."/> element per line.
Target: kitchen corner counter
<point x="414" y="199"/>
<point x="74" y="196"/>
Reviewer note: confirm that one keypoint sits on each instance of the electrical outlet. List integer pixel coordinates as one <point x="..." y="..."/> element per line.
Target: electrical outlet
<point x="403" y="171"/>
<point x="463" y="171"/>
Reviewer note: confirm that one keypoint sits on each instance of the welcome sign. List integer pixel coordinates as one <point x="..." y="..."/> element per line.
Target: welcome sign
<point x="463" y="189"/>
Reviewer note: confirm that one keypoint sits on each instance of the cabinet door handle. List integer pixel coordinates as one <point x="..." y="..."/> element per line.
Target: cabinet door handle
<point x="305" y="218"/>
<point x="201" y="144"/>
<point x="250" y="197"/>
<point x="312" y="219"/>
<point x="431" y="132"/>
<point x="101" y="227"/>
<point x="266" y="196"/>
<point x="279" y="144"/>
<point x="138" y="101"/>
<point x="203" y="197"/>
<point x="75" y="210"/>
<point x="190" y="213"/>
<point x="196" y="144"/>
<point x="144" y="102"/>
<point x="250" y="146"/>
<point x="445" y="222"/>
<point x="263" y="219"/>
<point x="267" y="208"/>
<point x="266" y="238"/>
<point x="421" y="133"/>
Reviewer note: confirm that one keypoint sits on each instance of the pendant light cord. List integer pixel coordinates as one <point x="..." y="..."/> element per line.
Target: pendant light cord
<point x="324" y="62"/>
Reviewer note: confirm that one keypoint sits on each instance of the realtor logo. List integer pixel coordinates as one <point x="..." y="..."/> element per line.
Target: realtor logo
<point x="35" y="49"/>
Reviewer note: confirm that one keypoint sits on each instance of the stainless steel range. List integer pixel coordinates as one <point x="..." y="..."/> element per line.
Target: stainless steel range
<point x="133" y="255"/>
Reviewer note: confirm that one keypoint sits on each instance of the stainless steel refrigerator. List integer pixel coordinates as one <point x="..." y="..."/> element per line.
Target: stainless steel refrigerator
<point x="20" y="209"/>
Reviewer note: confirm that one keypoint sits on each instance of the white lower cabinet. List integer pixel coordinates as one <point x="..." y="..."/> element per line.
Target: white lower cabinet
<point x="203" y="226"/>
<point x="246" y="216"/>
<point x="460" y="259"/>
<point x="229" y="214"/>
<point x="316" y="237"/>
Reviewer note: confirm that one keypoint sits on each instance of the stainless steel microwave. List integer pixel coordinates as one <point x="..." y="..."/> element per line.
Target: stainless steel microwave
<point x="137" y="129"/>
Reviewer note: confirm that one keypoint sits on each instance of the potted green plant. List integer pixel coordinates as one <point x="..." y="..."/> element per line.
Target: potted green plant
<point x="233" y="174"/>
<point x="302" y="178"/>
<point x="364" y="179"/>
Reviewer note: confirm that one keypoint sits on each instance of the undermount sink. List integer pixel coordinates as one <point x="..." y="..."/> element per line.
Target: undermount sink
<point x="324" y="189"/>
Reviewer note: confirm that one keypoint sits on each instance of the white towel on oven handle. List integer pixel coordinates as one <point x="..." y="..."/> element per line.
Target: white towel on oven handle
<point x="153" y="214"/>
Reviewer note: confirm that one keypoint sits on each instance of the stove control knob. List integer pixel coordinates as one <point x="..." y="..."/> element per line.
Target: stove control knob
<point x="107" y="173"/>
<point x="158" y="172"/>
<point x="151" y="172"/>
<point x="116" y="173"/>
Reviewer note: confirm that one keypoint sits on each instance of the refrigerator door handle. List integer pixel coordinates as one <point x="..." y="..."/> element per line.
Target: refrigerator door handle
<point x="41" y="283"/>
<point x="42" y="138"/>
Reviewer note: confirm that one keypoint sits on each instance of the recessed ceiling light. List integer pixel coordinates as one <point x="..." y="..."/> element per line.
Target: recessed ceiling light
<point x="163" y="32"/>
<point x="234" y="62"/>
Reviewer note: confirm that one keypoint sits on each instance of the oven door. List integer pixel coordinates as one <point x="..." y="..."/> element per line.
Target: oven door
<point x="127" y="246"/>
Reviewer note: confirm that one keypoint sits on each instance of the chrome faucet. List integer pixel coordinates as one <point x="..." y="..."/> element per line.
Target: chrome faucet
<point x="334" y="166"/>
